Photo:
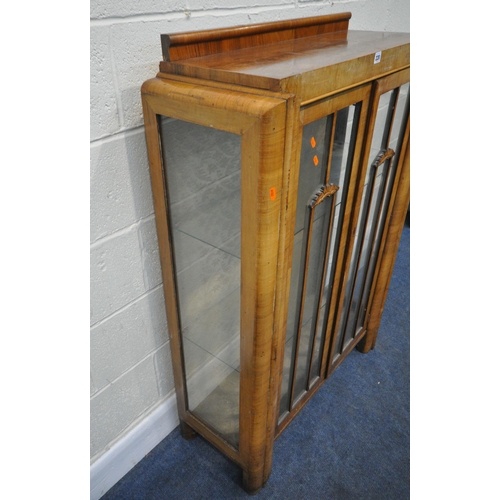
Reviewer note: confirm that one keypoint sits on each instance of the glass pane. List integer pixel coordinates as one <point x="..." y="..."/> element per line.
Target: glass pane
<point x="203" y="182"/>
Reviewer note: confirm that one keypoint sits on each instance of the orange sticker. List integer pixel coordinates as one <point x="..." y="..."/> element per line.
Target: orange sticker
<point x="315" y="160"/>
<point x="272" y="193"/>
<point x="313" y="142"/>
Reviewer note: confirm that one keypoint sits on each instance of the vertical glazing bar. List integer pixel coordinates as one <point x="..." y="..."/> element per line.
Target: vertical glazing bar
<point x="302" y="295"/>
<point x="323" y="278"/>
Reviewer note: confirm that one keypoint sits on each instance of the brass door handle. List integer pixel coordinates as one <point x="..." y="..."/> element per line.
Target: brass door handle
<point x="382" y="157"/>
<point x="322" y="193"/>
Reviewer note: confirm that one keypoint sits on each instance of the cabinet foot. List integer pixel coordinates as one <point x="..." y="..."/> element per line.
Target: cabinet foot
<point x="187" y="432"/>
<point x="364" y="346"/>
<point x="252" y="483"/>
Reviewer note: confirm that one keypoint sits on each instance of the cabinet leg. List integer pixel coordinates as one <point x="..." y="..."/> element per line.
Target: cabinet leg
<point x="187" y="432"/>
<point x="364" y="345"/>
<point x="252" y="482"/>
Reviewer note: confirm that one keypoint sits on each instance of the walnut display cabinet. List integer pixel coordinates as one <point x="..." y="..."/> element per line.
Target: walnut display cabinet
<point x="279" y="160"/>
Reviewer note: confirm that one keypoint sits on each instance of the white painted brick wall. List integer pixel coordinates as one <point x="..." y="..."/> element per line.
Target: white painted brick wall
<point x="116" y="274"/>
<point x="131" y="372"/>
<point x="104" y="119"/>
<point x="116" y="408"/>
<point x="147" y="316"/>
<point x="120" y="188"/>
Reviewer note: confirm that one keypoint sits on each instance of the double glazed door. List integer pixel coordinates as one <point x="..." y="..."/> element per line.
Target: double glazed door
<point x="350" y="152"/>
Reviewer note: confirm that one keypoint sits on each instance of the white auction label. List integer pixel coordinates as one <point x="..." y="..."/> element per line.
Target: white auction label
<point x="378" y="56"/>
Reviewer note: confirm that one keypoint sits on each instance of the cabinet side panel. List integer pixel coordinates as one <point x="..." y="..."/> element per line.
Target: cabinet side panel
<point x="254" y="170"/>
<point x="165" y="247"/>
<point x="202" y="170"/>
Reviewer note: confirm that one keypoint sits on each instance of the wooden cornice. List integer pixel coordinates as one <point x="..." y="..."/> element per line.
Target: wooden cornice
<point x="187" y="45"/>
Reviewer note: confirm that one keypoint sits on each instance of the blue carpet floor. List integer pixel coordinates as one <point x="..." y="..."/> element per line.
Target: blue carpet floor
<point x="350" y="442"/>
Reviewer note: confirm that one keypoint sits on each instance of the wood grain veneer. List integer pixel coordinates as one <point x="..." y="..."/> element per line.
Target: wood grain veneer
<point x="312" y="59"/>
<point x="201" y="43"/>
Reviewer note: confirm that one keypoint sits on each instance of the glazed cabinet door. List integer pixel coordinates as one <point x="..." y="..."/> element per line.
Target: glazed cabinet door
<point x="387" y="133"/>
<point x="216" y="162"/>
<point x="323" y="189"/>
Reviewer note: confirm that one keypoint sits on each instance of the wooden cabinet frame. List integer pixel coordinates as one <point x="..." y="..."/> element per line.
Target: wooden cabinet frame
<point x="223" y="80"/>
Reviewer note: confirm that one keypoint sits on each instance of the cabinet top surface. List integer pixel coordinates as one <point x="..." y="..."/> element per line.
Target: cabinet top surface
<point x="272" y="64"/>
<point x="289" y="58"/>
